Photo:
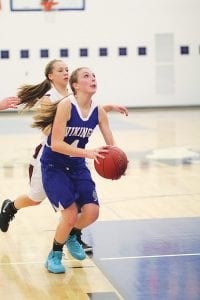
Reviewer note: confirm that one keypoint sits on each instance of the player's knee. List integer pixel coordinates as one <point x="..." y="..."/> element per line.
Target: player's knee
<point x="68" y="222"/>
<point x="96" y="213"/>
<point x="93" y="214"/>
<point x="69" y="217"/>
<point x="34" y="203"/>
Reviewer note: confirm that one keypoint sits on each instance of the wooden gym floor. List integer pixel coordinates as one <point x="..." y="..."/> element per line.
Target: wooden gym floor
<point x="147" y="239"/>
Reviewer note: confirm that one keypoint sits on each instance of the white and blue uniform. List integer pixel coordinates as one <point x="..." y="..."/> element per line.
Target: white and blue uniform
<point x="67" y="179"/>
<point x="36" y="191"/>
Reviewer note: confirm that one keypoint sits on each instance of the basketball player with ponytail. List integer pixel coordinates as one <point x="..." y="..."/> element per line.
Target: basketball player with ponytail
<point x="51" y="90"/>
<point x="66" y="178"/>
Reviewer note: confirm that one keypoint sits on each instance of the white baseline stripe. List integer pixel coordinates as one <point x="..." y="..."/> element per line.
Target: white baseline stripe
<point x="150" y="256"/>
<point x="109" y="258"/>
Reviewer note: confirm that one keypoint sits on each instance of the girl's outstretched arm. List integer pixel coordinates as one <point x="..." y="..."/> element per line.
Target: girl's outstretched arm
<point x="117" y="108"/>
<point x="9" y="102"/>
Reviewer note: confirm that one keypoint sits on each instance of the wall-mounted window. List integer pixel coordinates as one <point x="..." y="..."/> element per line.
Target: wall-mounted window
<point x="184" y="50"/>
<point x="4" y="54"/>
<point x="24" y="53"/>
<point x="64" y="52"/>
<point x="83" y="52"/>
<point x="103" y="51"/>
<point x="122" y="51"/>
<point x="26" y="5"/>
<point x="44" y="53"/>
<point x="142" y="51"/>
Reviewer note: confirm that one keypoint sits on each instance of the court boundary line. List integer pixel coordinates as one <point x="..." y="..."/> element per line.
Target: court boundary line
<point x="149" y="256"/>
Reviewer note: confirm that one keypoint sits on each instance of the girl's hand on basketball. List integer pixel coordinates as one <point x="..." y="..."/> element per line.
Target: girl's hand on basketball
<point x="98" y="153"/>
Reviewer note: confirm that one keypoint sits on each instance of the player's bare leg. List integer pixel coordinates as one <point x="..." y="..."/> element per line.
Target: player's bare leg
<point x="9" y="209"/>
<point x="88" y="215"/>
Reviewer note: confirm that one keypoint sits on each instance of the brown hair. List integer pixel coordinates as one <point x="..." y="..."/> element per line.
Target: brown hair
<point x="30" y="94"/>
<point x="74" y="78"/>
<point x="46" y="112"/>
<point x="45" y="116"/>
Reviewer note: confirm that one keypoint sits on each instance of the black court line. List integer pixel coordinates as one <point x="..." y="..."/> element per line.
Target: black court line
<point x="149" y="259"/>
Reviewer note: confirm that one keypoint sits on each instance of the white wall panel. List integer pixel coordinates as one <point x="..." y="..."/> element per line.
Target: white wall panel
<point x="131" y="80"/>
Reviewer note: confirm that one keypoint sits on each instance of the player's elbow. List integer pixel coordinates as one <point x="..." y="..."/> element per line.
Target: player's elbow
<point x="55" y="146"/>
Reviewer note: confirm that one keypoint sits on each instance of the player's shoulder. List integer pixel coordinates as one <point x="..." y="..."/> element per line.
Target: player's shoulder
<point x="64" y="108"/>
<point x="65" y="104"/>
<point x="101" y="109"/>
<point x="44" y="100"/>
<point x="65" y="101"/>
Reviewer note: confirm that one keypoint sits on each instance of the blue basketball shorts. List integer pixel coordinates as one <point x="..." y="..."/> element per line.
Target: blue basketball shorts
<point x="65" y="185"/>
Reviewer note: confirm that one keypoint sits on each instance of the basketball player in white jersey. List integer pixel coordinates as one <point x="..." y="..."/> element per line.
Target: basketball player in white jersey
<point x="51" y="90"/>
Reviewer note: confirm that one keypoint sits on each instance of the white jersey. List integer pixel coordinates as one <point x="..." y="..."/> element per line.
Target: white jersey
<point x="54" y="95"/>
<point x="36" y="192"/>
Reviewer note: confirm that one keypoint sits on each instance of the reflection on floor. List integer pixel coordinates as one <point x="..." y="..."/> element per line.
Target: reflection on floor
<point x="149" y="259"/>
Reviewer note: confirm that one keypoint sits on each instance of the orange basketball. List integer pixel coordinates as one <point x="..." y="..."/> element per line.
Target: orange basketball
<point x="114" y="165"/>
